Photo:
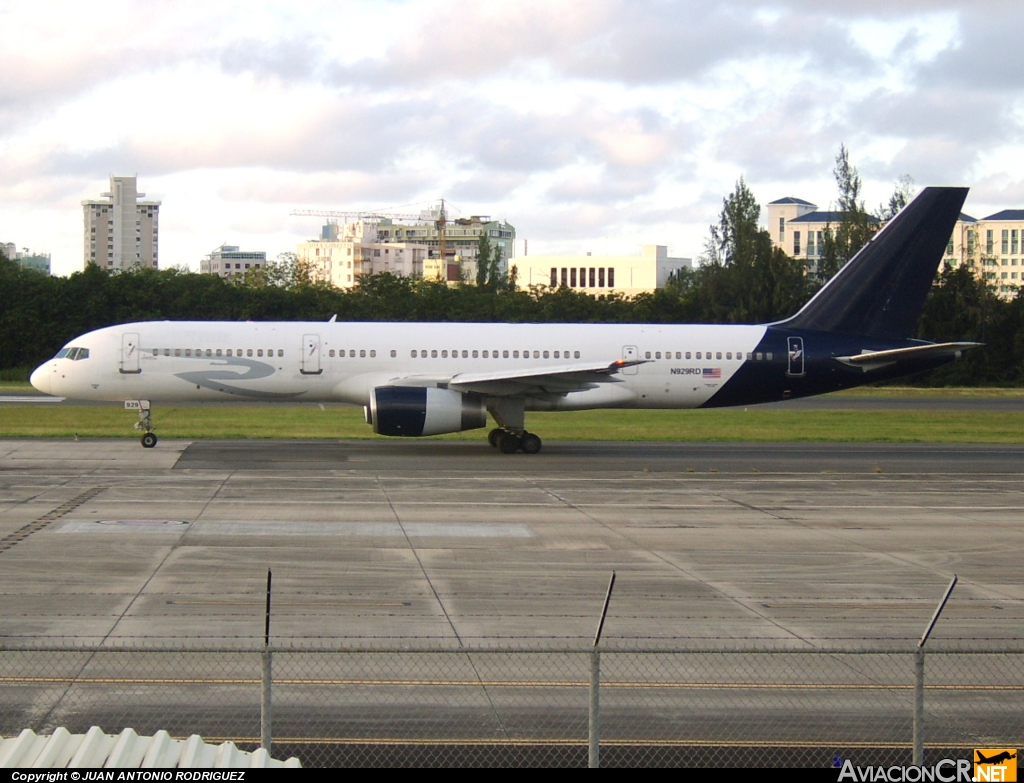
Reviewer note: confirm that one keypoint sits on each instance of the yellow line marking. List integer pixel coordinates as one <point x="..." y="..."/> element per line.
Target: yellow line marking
<point x="498" y="683"/>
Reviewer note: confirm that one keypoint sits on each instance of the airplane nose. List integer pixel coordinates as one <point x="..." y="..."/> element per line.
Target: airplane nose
<point x="40" y="379"/>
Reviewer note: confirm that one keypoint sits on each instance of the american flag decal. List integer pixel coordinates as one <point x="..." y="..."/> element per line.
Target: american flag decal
<point x="712" y="372"/>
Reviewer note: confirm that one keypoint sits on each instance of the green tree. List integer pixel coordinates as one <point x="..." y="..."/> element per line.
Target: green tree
<point x="483" y="259"/>
<point x="856" y="225"/>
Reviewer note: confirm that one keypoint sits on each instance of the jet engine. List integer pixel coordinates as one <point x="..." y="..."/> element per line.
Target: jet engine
<point x="412" y="411"/>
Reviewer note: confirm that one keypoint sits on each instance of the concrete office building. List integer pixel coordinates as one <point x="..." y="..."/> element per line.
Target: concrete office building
<point x="992" y="246"/>
<point x="629" y="275"/>
<point x="228" y="260"/>
<point x="344" y="253"/>
<point x="121" y="232"/>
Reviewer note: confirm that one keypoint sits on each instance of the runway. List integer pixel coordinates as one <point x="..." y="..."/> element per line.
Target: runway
<point x="452" y="546"/>
<point x="796" y="544"/>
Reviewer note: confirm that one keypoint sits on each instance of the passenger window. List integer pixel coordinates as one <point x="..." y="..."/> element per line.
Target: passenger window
<point x="331" y="353"/>
<point x="687" y="354"/>
<point x="485" y="354"/>
<point x="679" y="355"/>
<point x="657" y="354"/>
<point x="576" y="354"/>
<point x="423" y="354"/>
<point x="188" y="351"/>
<point x="444" y="354"/>
<point x="749" y="356"/>
<point x="259" y="351"/>
<point x="728" y="355"/>
<point x="465" y="354"/>
<point x="504" y="354"/>
<point x="433" y="354"/>
<point x="412" y="353"/>
<point x="768" y="356"/>
<point x="698" y="354"/>
<point x="394" y="353"/>
<point x="515" y="354"/>
<point x="373" y="354"/>
<point x="476" y="354"/>
<point x="536" y="354"/>
<point x="556" y="354"/>
<point x="167" y="352"/>
<point x="718" y="355"/>
<point x="238" y="352"/>
<point x="760" y="356"/>
<point x="177" y="351"/>
<point x="209" y="352"/>
<point x="545" y="354"/>
<point x="280" y="353"/>
<point x="219" y="352"/>
<point x="362" y="353"/>
<point x="248" y="352"/>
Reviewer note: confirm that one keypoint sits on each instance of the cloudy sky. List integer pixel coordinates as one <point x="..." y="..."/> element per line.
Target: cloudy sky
<point x="592" y="125"/>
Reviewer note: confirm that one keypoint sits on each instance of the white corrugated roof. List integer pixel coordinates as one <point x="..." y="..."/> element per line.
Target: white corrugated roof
<point x="127" y="750"/>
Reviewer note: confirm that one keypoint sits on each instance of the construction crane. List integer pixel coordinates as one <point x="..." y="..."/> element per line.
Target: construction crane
<point x="441" y="223"/>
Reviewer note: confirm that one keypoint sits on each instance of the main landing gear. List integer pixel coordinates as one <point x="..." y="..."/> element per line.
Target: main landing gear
<point x="509" y="442"/>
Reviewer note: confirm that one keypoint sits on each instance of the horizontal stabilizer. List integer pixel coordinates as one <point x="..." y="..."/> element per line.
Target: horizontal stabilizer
<point x="897" y="354"/>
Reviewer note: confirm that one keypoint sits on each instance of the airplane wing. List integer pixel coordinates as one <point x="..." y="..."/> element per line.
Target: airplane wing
<point x="559" y="379"/>
<point x="870" y="360"/>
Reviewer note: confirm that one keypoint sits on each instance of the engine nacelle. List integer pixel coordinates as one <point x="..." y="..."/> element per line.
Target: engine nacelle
<point x="411" y="411"/>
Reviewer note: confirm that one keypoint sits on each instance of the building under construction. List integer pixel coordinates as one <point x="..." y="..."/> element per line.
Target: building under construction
<point x="429" y="245"/>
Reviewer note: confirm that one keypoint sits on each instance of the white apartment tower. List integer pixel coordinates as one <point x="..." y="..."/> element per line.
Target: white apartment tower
<point x="121" y="232"/>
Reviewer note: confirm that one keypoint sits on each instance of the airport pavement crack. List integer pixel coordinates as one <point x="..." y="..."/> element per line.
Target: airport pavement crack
<point x="19" y="535"/>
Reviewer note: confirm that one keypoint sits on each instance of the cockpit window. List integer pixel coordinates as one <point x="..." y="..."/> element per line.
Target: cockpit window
<point x="74" y="354"/>
<point x="62" y="353"/>
<point x="83" y="353"/>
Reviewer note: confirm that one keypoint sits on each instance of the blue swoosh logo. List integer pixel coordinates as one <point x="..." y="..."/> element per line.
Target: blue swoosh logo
<point x="214" y="379"/>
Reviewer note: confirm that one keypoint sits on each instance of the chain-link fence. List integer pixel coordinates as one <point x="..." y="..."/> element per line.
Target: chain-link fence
<point x="507" y="707"/>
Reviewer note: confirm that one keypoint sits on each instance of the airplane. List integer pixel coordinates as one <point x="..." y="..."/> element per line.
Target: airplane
<point x="419" y="379"/>
<point x="996" y="759"/>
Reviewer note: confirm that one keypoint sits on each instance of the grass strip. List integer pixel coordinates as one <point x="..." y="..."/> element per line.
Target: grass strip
<point x="732" y="424"/>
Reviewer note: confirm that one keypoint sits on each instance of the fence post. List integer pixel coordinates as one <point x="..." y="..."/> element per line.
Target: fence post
<point x="594" y="755"/>
<point x="918" y="707"/>
<point x="267" y="672"/>
<point x="594" y="760"/>
<point x="919" y="677"/>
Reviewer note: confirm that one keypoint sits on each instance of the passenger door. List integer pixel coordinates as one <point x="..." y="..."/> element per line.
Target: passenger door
<point x="130" y="354"/>
<point x="795" y="368"/>
<point x="630" y="354"/>
<point x="311" y="354"/>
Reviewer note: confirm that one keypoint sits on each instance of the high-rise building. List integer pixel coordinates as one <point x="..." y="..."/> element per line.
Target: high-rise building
<point x="121" y="232"/>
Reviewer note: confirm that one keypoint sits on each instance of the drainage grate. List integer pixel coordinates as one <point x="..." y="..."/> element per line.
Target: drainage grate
<point x="21" y="534"/>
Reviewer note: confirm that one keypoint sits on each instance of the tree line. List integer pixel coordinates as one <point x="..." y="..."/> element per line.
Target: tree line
<point x="742" y="278"/>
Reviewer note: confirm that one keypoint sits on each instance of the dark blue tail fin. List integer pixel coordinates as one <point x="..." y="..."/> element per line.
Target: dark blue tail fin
<point x="881" y="292"/>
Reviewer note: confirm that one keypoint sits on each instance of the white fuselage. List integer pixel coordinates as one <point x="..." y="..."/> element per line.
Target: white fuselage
<point x="173" y="361"/>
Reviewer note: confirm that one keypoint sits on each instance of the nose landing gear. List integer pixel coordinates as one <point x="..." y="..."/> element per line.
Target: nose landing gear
<point x="145" y="422"/>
